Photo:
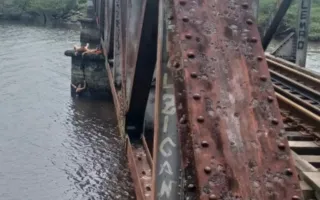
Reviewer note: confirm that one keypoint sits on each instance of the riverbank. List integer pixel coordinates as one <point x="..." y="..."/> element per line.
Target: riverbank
<point x="290" y="19"/>
<point x="48" y="13"/>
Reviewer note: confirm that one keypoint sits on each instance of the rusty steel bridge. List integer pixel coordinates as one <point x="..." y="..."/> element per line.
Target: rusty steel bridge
<point x="204" y="113"/>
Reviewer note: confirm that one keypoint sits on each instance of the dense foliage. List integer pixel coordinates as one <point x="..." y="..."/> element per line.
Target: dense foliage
<point x="53" y="9"/>
<point x="290" y="20"/>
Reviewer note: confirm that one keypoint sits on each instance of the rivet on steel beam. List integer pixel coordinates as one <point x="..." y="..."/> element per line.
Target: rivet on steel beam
<point x="204" y="144"/>
<point x="207" y="169"/>
<point x="170" y="17"/>
<point x="259" y="58"/>
<point x="253" y="39"/>
<point x="245" y="5"/>
<point x="185" y="19"/>
<point x="176" y="64"/>
<point x="270" y="99"/>
<point x="191" y="186"/>
<point x="263" y="78"/>
<point x="190" y="54"/>
<point x="275" y="121"/>
<point x="183" y="120"/>
<point x="295" y="197"/>
<point x="139" y="157"/>
<point x="182" y="2"/>
<point x="188" y="36"/>
<point x="148" y="188"/>
<point x="213" y="197"/>
<point x="249" y="21"/>
<point x="194" y="75"/>
<point x="200" y="119"/>
<point x="143" y="172"/>
<point x="196" y="96"/>
<point x="281" y="146"/>
<point x="289" y="172"/>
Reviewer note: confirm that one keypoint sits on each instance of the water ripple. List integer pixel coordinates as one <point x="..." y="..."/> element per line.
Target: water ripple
<point x="52" y="146"/>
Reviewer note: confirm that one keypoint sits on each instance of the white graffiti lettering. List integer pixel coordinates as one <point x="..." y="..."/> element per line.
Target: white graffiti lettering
<point x="165" y="84"/>
<point x="166" y="167"/>
<point x="162" y="150"/>
<point x="166" y="189"/>
<point x="169" y="106"/>
<point x="165" y="124"/>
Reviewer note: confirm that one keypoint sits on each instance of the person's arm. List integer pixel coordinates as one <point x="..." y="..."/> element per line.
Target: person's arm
<point x="75" y="87"/>
<point x="84" y="85"/>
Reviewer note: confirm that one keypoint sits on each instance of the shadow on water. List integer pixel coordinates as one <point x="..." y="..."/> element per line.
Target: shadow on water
<point x="52" y="146"/>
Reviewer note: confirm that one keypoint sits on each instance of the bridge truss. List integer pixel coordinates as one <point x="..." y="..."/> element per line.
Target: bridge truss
<point x="217" y="131"/>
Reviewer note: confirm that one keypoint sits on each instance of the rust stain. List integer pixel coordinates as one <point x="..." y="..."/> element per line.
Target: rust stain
<point x="140" y="171"/>
<point x="230" y="130"/>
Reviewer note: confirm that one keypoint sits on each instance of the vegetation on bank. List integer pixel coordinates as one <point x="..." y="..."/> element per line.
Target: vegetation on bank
<point x="46" y="10"/>
<point x="290" y="19"/>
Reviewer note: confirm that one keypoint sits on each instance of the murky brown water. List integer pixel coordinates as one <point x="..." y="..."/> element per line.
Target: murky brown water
<point x="53" y="147"/>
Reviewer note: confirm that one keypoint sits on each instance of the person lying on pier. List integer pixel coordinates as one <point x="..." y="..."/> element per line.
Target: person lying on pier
<point x="96" y="51"/>
<point x="78" y="88"/>
<point x="80" y="49"/>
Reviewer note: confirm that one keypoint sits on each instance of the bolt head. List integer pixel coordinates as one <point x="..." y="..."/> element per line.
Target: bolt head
<point x="185" y="19"/>
<point x="270" y="99"/>
<point x="213" y="197"/>
<point x="194" y="75"/>
<point x="188" y="36"/>
<point x="245" y="5"/>
<point x="196" y="96"/>
<point x="207" y="169"/>
<point x="190" y="54"/>
<point x="182" y="2"/>
<point x="289" y="171"/>
<point x="200" y="119"/>
<point x="263" y="78"/>
<point x="191" y="186"/>
<point x="249" y="21"/>
<point x="295" y="197"/>
<point x="282" y="146"/>
<point x="275" y="121"/>
<point x="176" y="64"/>
<point x="204" y="144"/>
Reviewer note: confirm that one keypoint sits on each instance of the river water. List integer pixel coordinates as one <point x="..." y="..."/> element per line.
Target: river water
<point x="53" y="147"/>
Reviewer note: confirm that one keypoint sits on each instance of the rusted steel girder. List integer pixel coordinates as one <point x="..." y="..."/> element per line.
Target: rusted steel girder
<point x="230" y="122"/>
<point x="166" y="149"/>
<point x="136" y="10"/>
<point x="109" y="28"/>
<point x="276" y="20"/>
<point x="143" y="71"/>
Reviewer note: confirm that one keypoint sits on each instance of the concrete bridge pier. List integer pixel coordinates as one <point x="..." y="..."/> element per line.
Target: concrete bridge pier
<point x="89" y="68"/>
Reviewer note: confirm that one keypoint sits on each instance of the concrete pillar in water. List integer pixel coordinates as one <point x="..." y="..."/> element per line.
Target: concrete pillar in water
<point x="90" y="68"/>
<point x="303" y="32"/>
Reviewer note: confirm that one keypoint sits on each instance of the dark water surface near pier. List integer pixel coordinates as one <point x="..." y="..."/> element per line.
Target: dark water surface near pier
<point x="53" y="147"/>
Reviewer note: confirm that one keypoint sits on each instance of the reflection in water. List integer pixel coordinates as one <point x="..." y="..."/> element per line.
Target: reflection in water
<point x="53" y="147"/>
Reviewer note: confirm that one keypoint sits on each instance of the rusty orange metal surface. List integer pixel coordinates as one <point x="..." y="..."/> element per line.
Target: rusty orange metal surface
<point x="140" y="170"/>
<point x="230" y="122"/>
